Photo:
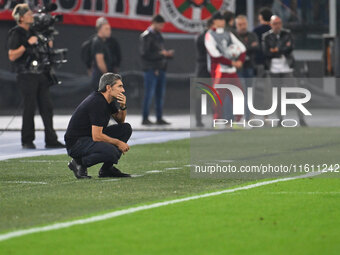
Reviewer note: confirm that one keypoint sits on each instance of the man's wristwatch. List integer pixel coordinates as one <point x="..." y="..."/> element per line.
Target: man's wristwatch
<point x="123" y="108"/>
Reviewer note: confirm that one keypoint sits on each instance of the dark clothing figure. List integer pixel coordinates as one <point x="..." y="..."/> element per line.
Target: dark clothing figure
<point x="249" y="40"/>
<point x="201" y="72"/>
<point x="154" y="66"/>
<point x="95" y="110"/>
<point x="34" y="86"/>
<point x="246" y="73"/>
<point x="90" y="153"/>
<point x="18" y="36"/>
<point x="152" y="43"/>
<point x="201" y="59"/>
<point x="115" y="53"/>
<point x="284" y="42"/>
<point x="231" y="29"/>
<point x="35" y="91"/>
<point x="259" y="31"/>
<point x="154" y="85"/>
<point x="99" y="46"/>
<point x="112" y="56"/>
<point x="280" y="63"/>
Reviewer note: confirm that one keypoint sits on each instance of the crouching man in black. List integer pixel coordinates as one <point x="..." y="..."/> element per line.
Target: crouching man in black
<point x="89" y="140"/>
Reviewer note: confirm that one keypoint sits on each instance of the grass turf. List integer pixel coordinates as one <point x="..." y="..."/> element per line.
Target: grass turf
<point x="297" y="217"/>
<point x="64" y="197"/>
<point x="225" y="223"/>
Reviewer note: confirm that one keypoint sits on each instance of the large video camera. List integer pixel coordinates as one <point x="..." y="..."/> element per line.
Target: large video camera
<point x="44" y="58"/>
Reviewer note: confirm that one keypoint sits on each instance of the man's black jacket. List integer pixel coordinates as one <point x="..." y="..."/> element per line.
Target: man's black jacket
<point x="152" y="43"/>
<point x="272" y="40"/>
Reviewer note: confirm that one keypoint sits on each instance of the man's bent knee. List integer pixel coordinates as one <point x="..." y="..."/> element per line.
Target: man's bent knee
<point x="127" y="128"/>
<point x="102" y="152"/>
<point x="111" y="155"/>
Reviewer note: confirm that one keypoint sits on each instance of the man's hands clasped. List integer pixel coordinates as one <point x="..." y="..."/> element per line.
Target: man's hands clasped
<point x="123" y="147"/>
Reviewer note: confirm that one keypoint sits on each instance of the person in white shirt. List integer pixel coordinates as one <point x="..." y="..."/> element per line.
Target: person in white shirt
<point x="222" y="63"/>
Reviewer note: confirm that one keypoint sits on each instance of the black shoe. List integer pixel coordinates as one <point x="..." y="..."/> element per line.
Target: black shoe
<point x="28" y="145"/>
<point x="56" y="145"/>
<point x="80" y="172"/>
<point x="162" y="122"/>
<point x="147" y="122"/>
<point x="112" y="172"/>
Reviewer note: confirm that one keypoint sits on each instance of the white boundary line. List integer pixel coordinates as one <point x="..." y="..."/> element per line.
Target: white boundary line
<point x="114" y="214"/>
<point x="25" y="182"/>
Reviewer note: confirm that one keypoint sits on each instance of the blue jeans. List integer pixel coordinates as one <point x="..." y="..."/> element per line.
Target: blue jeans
<point x="246" y="75"/>
<point x="154" y="85"/>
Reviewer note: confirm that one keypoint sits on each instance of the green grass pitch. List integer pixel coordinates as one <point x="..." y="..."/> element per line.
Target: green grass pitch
<point x="294" y="217"/>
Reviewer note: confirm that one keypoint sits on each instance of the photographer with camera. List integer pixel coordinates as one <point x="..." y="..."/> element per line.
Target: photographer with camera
<point x="33" y="82"/>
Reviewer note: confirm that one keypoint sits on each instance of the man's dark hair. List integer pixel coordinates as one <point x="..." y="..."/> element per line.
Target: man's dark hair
<point x="108" y="79"/>
<point x="228" y="16"/>
<point x="158" y="19"/>
<point x="216" y="15"/>
<point x="209" y="23"/>
<point x="266" y="13"/>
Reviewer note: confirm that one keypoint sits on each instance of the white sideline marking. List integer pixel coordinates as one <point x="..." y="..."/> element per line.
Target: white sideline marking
<point x="173" y="168"/>
<point x="306" y="193"/>
<point x="114" y="214"/>
<point x="25" y="182"/>
<point x="114" y="180"/>
<point x="136" y="175"/>
<point x="153" y="171"/>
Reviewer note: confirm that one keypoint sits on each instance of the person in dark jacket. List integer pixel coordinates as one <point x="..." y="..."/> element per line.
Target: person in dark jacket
<point x="246" y="73"/>
<point x="201" y="69"/>
<point x="201" y="53"/>
<point x="264" y="19"/>
<point x="154" y="58"/>
<point x="278" y="46"/>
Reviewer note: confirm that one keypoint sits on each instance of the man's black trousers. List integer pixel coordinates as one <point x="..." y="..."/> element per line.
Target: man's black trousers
<point x="89" y="153"/>
<point x="35" y="91"/>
